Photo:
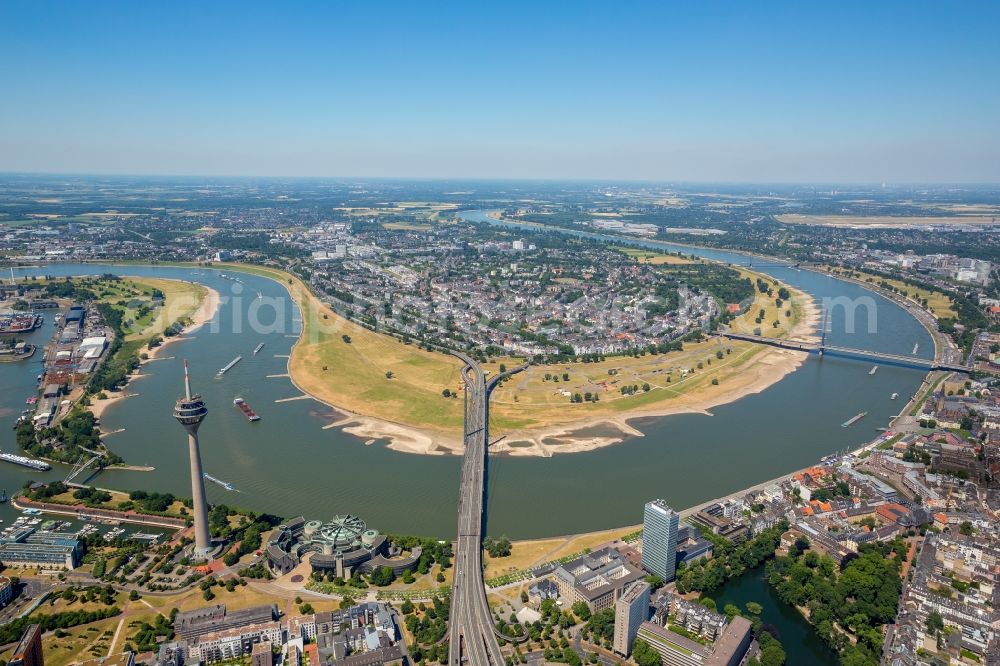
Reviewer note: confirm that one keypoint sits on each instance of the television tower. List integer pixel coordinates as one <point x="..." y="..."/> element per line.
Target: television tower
<point x="190" y="411"/>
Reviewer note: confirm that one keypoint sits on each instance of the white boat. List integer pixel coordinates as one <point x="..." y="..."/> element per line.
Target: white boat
<point x="873" y="370"/>
<point x="893" y="396"/>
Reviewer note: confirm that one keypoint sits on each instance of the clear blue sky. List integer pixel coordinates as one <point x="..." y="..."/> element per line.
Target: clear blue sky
<point x="694" y="91"/>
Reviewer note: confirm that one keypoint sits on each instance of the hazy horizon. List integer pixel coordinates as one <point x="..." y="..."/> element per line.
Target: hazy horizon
<point x="787" y="93"/>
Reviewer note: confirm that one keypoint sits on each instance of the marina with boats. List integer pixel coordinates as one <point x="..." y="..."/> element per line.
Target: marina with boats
<point x="30" y="522"/>
<point x="20" y="322"/>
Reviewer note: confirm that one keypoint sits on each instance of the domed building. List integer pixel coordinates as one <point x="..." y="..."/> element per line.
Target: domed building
<point x="341" y="546"/>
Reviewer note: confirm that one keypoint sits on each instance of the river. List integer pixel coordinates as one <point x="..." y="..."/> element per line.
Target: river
<point x="289" y="465"/>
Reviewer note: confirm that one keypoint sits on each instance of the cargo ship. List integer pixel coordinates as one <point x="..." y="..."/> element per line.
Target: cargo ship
<point x="20" y="322"/>
<point x="229" y="366"/>
<point x="854" y="419"/>
<point x="31" y="463"/>
<point x="245" y="408"/>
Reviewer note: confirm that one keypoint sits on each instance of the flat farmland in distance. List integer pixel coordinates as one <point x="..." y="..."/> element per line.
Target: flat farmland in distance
<point x="886" y="221"/>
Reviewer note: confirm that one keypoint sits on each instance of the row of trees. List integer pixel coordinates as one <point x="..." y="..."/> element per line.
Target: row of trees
<point x="12" y="631"/>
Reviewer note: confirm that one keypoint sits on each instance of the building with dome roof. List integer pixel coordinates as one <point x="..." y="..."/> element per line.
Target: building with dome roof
<point x="341" y="546"/>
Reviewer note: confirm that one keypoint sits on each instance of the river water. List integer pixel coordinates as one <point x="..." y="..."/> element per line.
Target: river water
<point x="288" y="464"/>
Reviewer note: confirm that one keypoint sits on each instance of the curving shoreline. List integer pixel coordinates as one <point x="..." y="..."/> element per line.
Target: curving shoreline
<point x="766" y="367"/>
<point x="206" y="312"/>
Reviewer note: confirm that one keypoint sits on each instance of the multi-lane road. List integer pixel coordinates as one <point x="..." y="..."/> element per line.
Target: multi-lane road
<point x="471" y="628"/>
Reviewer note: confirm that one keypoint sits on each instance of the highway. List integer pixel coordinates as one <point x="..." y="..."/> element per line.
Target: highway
<point x="472" y="638"/>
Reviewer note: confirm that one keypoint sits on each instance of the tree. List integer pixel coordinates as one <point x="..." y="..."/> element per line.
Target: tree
<point x="772" y="655"/>
<point x="581" y="610"/>
<point x="935" y="623"/>
<point x="644" y="654"/>
<point x="382" y="576"/>
<point x="346" y="338"/>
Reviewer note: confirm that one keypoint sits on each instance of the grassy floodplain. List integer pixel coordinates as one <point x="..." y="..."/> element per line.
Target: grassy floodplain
<point x="939" y="304"/>
<point x="352" y="376"/>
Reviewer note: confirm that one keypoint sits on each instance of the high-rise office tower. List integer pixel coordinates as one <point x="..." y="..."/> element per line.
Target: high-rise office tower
<point x="659" y="539"/>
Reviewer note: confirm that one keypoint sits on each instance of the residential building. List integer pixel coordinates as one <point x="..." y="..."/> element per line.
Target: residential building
<point x="261" y="654"/>
<point x="659" y="539"/>
<point x="685" y="633"/>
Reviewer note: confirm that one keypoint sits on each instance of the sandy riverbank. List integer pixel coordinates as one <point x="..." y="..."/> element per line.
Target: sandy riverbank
<point x="205" y="313"/>
<point x="765" y="368"/>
